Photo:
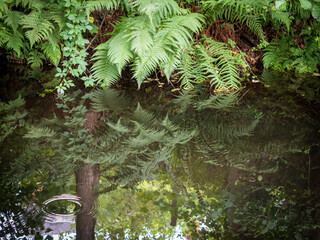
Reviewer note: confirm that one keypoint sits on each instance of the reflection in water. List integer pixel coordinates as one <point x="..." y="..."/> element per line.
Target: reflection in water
<point x="158" y="167"/>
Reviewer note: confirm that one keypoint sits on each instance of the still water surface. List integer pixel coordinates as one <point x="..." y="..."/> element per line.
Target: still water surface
<point x="152" y="165"/>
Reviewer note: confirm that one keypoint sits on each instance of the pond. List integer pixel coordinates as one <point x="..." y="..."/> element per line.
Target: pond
<point x="151" y="164"/>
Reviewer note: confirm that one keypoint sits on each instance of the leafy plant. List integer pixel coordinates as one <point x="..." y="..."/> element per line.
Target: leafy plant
<point x="25" y="24"/>
<point x="11" y="117"/>
<point x="211" y="60"/>
<point x="153" y="38"/>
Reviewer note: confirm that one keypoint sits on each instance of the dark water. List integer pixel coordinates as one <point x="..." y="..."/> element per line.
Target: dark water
<point x="153" y="165"/>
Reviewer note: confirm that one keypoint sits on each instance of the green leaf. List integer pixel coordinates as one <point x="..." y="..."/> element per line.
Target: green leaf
<point x="306" y="4"/>
<point x="316" y="12"/>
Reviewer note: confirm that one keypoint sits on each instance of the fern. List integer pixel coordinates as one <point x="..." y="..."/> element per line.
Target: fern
<point x="218" y="101"/>
<point x="40" y="26"/>
<point x="3" y="7"/>
<point x="283" y="54"/>
<point x="119" y="51"/>
<point x="38" y="132"/>
<point x="51" y="49"/>
<point x="141" y="115"/>
<point x="12" y="19"/>
<point x="160" y="9"/>
<point x="12" y="41"/>
<point x="104" y="100"/>
<point x="99" y="5"/>
<point x="245" y="11"/>
<point x="104" y="71"/>
<point x="39" y="23"/>
<point x="152" y="42"/>
<point x="11" y="118"/>
<point x="210" y="60"/>
<point x="12" y="105"/>
<point x="35" y="58"/>
<point x="118" y="127"/>
<point x="140" y="33"/>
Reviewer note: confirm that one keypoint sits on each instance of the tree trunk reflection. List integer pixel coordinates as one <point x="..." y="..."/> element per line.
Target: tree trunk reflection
<point x="87" y="178"/>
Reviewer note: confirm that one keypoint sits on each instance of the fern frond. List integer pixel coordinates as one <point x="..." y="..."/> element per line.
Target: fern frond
<point x="14" y="117"/>
<point x="227" y="64"/>
<point x="35" y="58"/>
<point x="119" y="127"/>
<point x="3" y="7"/>
<point x="181" y="137"/>
<point x="168" y="124"/>
<point x="178" y="30"/>
<point x="51" y="49"/>
<point x="188" y="70"/>
<point x="247" y="12"/>
<point x="254" y="23"/>
<point x="155" y="8"/>
<point x="103" y="69"/>
<point x="119" y="51"/>
<point x="99" y="5"/>
<point x="26" y="3"/>
<point x="108" y="99"/>
<point x="175" y="33"/>
<point x="13" y="41"/>
<point x="280" y="17"/>
<point x="13" y="19"/>
<point x="171" y="65"/>
<point x="37" y="132"/>
<point x="40" y="27"/>
<point x="54" y="14"/>
<point x="146" y="64"/>
<point x="142" y="116"/>
<point x="11" y="105"/>
<point x="138" y="142"/>
<point x="184" y="100"/>
<point x="140" y="32"/>
<point x="218" y="101"/>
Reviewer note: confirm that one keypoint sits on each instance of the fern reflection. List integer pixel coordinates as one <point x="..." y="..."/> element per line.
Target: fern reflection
<point x="197" y="165"/>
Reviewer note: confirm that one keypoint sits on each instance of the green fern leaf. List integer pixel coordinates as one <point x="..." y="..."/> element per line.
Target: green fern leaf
<point x="40" y="27"/>
<point x="218" y="101"/>
<point x="119" y="51"/>
<point x="14" y="42"/>
<point x="119" y="127"/>
<point x="280" y="17"/>
<point x="157" y="8"/>
<point x="108" y="99"/>
<point x="52" y="52"/>
<point x="142" y="116"/>
<point x="12" y="105"/>
<point x="99" y="5"/>
<point x="3" y="7"/>
<point x="37" y="132"/>
<point x="140" y="33"/>
<point x="13" y="19"/>
<point x="35" y="58"/>
<point x="227" y="75"/>
<point x="176" y="33"/>
<point x="103" y="69"/>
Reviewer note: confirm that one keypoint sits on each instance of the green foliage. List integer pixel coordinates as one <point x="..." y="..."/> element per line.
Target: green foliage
<point x="11" y="117"/>
<point x="38" y="132"/>
<point x="244" y="11"/>
<point x="211" y="60"/>
<point x="35" y="23"/>
<point x="151" y="39"/>
<point x="284" y="54"/>
<point x="74" y="50"/>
